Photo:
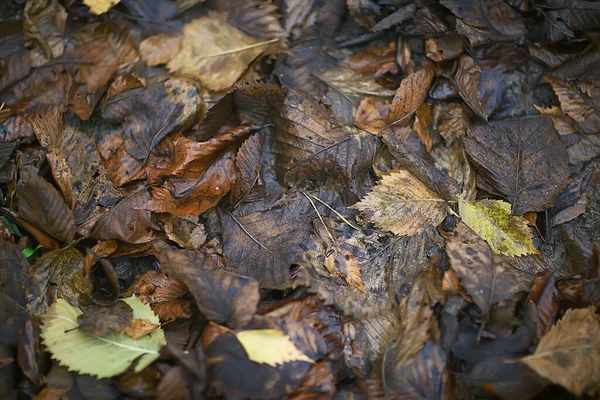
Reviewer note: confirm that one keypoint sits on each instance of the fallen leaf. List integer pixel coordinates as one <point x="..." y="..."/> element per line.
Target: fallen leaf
<point x="270" y="346"/>
<point x="106" y="356"/>
<point x="41" y="205"/>
<point x="43" y="29"/>
<point x="100" y="6"/>
<point x="140" y="327"/>
<point x="160" y="49"/>
<point x="467" y="80"/>
<point x="351" y="83"/>
<point x="523" y="159"/>
<point x="101" y="321"/>
<point x="410" y="95"/>
<point x="402" y="204"/>
<point x="370" y="115"/>
<point x="344" y="264"/>
<point x="493" y="222"/>
<point x="569" y="354"/>
<point x="215" y="52"/>
<point x="579" y="100"/>
<point x="249" y="185"/>
<point x="483" y="274"/>
<point x="446" y="47"/>
<point x="563" y="124"/>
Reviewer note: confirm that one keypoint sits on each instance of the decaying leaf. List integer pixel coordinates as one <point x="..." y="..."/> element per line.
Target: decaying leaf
<point x="484" y="275"/>
<point x="569" y="354"/>
<point x="580" y="101"/>
<point x="523" y="159"/>
<point x="160" y="49"/>
<point x="215" y="52"/>
<point x="492" y="221"/>
<point x="402" y="204"/>
<point x="410" y="95"/>
<point x="467" y="80"/>
<point x="270" y="346"/>
<point x="100" y="321"/>
<point x="351" y="83"/>
<point x="104" y="356"/>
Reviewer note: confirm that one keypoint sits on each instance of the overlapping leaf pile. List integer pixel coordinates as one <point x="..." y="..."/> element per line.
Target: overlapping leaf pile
<point x="299" y="199"/>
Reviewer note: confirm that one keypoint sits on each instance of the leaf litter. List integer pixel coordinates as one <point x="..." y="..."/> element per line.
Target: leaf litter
<point x="341" y="199"/>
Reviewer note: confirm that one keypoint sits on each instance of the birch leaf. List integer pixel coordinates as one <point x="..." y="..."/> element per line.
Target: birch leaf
<point x="492" y="221"/>
<point x="569" y="354"/>
<point x="402" y="204"/>
<point x="100" y="356"/>
<point x="270" y="346"/>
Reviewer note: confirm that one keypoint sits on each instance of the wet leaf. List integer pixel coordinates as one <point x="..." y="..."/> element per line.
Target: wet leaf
<point x="402" y="204"/>
<point x="352" y="83"/>
<point x="270" y="346"/>
<point x="215" y="52"/>
<point x="104" y="357"/>
<point x="569" y="354"/>
<point x="371" y="115"/>
<point x="249" y="185"/>
<point x="221" y="296"/>
<point x="160" y="49"/>
<point x="492" y="221"/>
<point x="467" y="80"/>
<point x="101" y="321"/>
<point x="580" y="100"/>
<point x="410" y="95"/>
<point x="483" y="274"/>
<point x="523" y="159"/>
<point x="41" y="205"/>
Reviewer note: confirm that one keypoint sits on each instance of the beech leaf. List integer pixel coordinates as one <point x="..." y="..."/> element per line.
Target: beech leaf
<point x="410" y="95"/>
<point x="402" y="204"/>
<point x="99" y="356"/>
<point x="270" y="346"/>
<point x="491" y="220"/>
<point x="522" y="159"/>
<point x="569" y="354"/>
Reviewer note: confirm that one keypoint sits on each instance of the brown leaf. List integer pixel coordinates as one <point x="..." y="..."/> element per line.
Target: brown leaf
<point x="376" y="61"/>
<point x="43" y="28"/>
<point x="343" y="264"/>
<point x="187" y="233"/>
<point x="156" y="287"/>
<point x="160" y="49"/>
<point x="569" y="354"/>
<point x="364" y="12"/>
<point x="370" y="115"/>
<point x="545" y="296"/>
<point x="563" y="124"/>
<point x="249" y="185"/>
<point x="580" y="100"/>
<point x="523" y="159"/>
<point x="100" y="321"/>
<point x="452" y="120"/>
<point x="424" y="124"/>
<point x="351" y="83"/>
<point x="259" y="20"/>
<point x="221" y="296"/>
<point x="41" y="205"/>
<point x="128" y="221"/>
<point x="138" y="328"/>
<point x="410" y="95"/>
<point x="447" y="47"/>
<point x="484" y="275"/>
<point x="467" y="80"/>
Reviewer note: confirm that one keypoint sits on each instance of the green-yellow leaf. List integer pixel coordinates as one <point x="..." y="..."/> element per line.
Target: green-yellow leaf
<point x="402" y="204"/>
<point x="100" y="6"/>
<point x="493" y="222"/>
<point x="270" y="346"/>
<point x="100" y="356"/>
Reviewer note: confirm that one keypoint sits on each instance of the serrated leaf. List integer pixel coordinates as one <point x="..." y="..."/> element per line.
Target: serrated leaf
<point x="270" y="346"/>
<point x="485" y="276"/>
<point x="569" y="354"/>
<point x="402" y="204"/>
<point x="100" y="356"/>
<point x="410" y="95"/>
<point x="492" y="221"/>
<point x="523" y="159"/>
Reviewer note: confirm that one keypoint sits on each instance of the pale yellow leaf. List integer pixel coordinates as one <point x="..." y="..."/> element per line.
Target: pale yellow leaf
<point x="270" y="346"/>
<point x="100" y="6"/>
<point x="402" y="204"/>
<point x="493" y="222"/>
<point x="569" y="354"/>
<point x="215" y="52"/>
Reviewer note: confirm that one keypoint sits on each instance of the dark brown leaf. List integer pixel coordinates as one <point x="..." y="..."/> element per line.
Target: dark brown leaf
<point x="545" y="296"/>
<point x="522" y="159"/>
<point x="580" y="100"/>
<point x="101" y="321"/>
<point x="221" y="296"/>
<point x="41" y="205"/>
<point x="249" y="185"/>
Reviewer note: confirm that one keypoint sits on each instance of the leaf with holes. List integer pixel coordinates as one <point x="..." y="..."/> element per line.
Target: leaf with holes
<point x="522" y="159"/>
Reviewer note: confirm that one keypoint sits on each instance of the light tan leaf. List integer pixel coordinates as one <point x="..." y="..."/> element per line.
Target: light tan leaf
<point x="270" y="346"/>
<point x="215" y="52"/>
<point x="483" y="274"/>
<point x="349" y="82"/>
<point x="160" y="49"/>
<point x="492" y="221"/>
<point x="100" y="6"/>
<point x="579" y="100"/>
<point x="569" y="354"/>
<point x="411" y="94"/>
<point x="370" y="115"/>
<point x="140" y="327"/>
<point x="402" y="204"/>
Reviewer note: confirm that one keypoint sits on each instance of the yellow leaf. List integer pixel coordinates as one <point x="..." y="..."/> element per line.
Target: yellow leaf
<point x="401" y="203"/>
<point x="215" y="52"/>
<point x="100" y="6"/>
<point x="270" y="346"/>
<point x="493" y="222"/>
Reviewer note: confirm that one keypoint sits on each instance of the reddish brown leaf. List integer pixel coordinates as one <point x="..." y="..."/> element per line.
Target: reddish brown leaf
<point x="410" y="95"/>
